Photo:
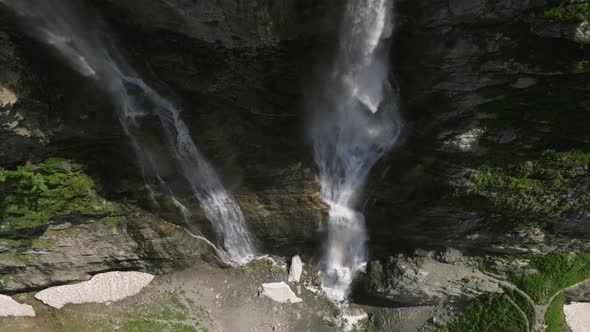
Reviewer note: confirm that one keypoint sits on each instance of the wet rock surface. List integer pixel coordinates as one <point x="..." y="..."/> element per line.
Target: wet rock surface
<point x="428" y="278"/>
<point x="479" y="85"/>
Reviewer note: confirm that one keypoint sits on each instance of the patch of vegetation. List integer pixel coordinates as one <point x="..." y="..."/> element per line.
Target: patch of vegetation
<point x="491" y="312"/>
<point x="542" y="187"/>
<point x="112" y="220"/>
<point x="581" y="65"/>
<point x="523" y="303"/>
<point x="171" y="312"/>
<point x="554" y="316"/>
<point x="19" y="258"/>
<point x="556" y="270"/>
<point x="40" y="244"/>
<point x="10" y="243"/>
<point x="166" y="313"/>
<point x="32" y="194"/>
<point x="568" y="12"/>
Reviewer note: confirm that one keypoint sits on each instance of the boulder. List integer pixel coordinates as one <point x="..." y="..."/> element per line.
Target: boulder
<point x="279" y="292"/>
<point x="74" y="248"/>
<point x="296" y="269"/>
<point x="580" y="292"/>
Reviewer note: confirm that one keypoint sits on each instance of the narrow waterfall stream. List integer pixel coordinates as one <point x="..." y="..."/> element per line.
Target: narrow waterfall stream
<point x="355" y="122"/>
<point x="92" y="53"/>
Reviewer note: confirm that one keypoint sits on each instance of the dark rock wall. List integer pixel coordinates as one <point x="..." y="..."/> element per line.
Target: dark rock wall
<point x="482" y="84"/>
<point x="481" y="88"/>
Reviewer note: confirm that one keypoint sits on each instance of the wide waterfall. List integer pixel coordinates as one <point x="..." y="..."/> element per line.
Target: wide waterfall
<point x="92" y="53"/>
<point x="355" y="122"/>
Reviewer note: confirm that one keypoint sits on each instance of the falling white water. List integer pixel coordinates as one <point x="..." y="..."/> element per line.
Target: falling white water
<point x="91" y="52"/>
<point x="355" y="122"/>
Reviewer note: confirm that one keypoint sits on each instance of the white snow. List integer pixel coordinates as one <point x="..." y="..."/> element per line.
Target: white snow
<point x="296" y="269"/>
<point x="104" y="287"/>
<point x="279" y="292"/>
<point x="9" y="307"/>
<point x="577" y="316"/>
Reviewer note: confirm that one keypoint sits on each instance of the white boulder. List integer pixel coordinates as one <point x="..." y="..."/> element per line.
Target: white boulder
<point x="296" y="269"/>
<point x="279" y="292"/>
<point x="9" y="307"/>
<point x="104" y="287"/>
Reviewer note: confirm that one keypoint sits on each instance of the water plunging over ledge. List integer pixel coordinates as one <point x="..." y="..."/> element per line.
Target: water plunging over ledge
<point x="354" y="123"/>
<point x="93" y="54"/>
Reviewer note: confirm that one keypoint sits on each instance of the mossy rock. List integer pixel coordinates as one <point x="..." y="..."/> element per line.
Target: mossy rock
<point x="33" y="194"/>
<point x="540" y="188"/>
<point x="568" y="12"/>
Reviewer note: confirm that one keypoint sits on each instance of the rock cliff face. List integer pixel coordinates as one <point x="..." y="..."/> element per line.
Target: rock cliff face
<point x="496" y="111"/>
<point x="494" y="94"/>
<point x="75" y="248"/>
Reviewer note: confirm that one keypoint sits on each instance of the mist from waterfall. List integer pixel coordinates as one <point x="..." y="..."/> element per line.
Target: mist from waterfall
<point x="93" y="54"/>
<point x="355" y="122"/>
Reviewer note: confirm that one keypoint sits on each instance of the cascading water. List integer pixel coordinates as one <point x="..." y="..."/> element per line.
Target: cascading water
<point x="355" y="122"/>
<point x="92" y="54"/>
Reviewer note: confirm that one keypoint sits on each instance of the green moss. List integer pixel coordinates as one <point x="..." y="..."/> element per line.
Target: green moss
<point x="491" y="312"/>
<point x="5" y="279"/>
<point x="19" y="258"/>
<point x="42" y="244"/>
<point x="33" y="194"/>
<point x="10" y="243"/>
<point x="556" y="271"/>
<point x="568" y="12"/>
<point x="554" y="316"/>
<point x="167" y="313"/>
<point x="542" y="187"/>
<point x="112" y="220"/>
<point x="581" y="65"/>
<point x="136" y="325"/>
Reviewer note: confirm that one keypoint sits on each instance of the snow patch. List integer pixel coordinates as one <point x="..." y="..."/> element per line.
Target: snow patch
<point x="9" y="307"/>
<point x="279" y="292"/>
<point x="577" y="316"/>
<point x="104" y="287"/>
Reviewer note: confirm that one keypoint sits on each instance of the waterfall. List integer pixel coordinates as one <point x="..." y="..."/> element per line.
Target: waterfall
<point x="354" y="123"/>
<point x="93" y="54"/>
